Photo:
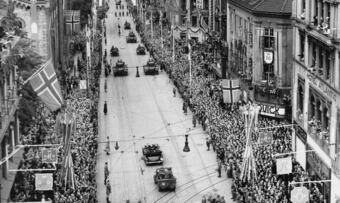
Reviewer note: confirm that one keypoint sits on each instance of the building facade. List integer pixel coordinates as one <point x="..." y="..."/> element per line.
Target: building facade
<point x="9" y="121"/>
<point x="316" y="90"/>
<point x="259" y="35"/>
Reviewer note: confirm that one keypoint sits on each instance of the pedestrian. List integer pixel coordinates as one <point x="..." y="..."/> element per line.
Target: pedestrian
<point x="194" y="120"/>
<point x="108" y="188"/>
<point x="106" y="172"/>
<point x="107" y="149"/>
<point x="219" y="169"/>
<point x="105" y="86"/>
<point x="207" y="141"/>
<point x="185" y="107"/>
<point x="174" y="91"/>
<point x="137" y="72"/>
<point x="105" y="108"/>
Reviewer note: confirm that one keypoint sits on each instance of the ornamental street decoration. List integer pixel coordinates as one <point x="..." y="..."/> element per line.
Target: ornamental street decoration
<point x="268" y="57"/>
<point x="43" y="181"/>
<point x="299" y="195"/>
<point x="284" y="165"/>
<point x="49" y="155"/>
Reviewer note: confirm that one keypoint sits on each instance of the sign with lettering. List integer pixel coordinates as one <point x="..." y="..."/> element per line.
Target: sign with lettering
<point x="319" y="84"/>
<point x="49" y="155"/>
<point x="300" y="132"/>
<point x="268" y="57"/>
<point x="272" y="110"/>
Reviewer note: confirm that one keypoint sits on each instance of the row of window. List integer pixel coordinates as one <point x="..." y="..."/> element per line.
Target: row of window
<point x="120" y="14"/>
<point x="319" y="14"/>
<point x="242" y="28"/>
<point x="320" y="58"/>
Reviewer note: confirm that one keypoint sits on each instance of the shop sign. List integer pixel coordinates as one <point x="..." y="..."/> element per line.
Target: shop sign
<point x="300" y="132"/>
<point x="272" y="110"/>
<point x="317" y="165"/>
<point x="318" y="84"/>
<point x="322" y="86"/>
<point x="268" y="57"/>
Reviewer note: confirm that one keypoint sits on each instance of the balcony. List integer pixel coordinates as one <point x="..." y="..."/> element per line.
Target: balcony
<point x="271" y="94"/>
<point x="319" y="135"/>
<point x="7" y="110"/>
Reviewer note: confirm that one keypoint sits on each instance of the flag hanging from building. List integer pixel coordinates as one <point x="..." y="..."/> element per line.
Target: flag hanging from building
<point x="43" y="181"/>
<point x="284" y="165"/>
<point x="45" y="83"/>
<point x="72" y="21"/>
<point x="231" y="90"/>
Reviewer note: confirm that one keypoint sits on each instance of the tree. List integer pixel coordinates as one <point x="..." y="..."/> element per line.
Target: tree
<point x="11" y="22"/>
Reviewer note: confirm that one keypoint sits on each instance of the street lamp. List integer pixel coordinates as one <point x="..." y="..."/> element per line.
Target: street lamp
<point x="186" y="145"/>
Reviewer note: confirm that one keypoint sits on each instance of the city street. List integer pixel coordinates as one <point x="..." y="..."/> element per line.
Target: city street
<point x="144" y="111"/>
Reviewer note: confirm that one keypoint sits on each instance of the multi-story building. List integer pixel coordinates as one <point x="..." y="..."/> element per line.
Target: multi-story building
<point x="316" y="91"/>
<point x="9" y="121"/>
<point x="259" y="35"/>
<point x="58" y="33"/>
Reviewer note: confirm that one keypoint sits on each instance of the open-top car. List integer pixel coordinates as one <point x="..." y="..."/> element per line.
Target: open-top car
<point x="127" y="25"/>
<point x="151" y="67"/>
<point x="152" y="154"/>
<point x="131" y="38"/>
<point x="140" y="50"/>
<point x="164" y="179"/>
<point x="120" y="68"/>
<point x="114" y="51"/>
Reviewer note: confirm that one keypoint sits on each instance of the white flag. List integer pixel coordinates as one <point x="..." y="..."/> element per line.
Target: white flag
<point x="284" y="165"/>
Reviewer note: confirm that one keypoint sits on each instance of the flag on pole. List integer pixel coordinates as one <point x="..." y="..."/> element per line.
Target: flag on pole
<point x="45" y="83"/>
<point x="43" y="181"/>
<point x="284" y="165"/>
<point x="231" y="90"/>
<point x="72" y="21"/>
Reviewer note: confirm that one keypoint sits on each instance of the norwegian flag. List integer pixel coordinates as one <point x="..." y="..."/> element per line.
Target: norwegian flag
<point x="45" y="83"/>
<point x="72" y="21"/>
<point x="231" y="90"/>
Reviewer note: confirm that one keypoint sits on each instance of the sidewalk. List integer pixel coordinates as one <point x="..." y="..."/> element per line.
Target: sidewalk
<point x="6" y="184"/>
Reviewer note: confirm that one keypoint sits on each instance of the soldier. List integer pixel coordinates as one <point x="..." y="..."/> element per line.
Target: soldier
<point x="219" y="169"/>
<point x="207" y="141"/>
<point x="105" y="108"/>
<point x="107" y="149"/>
<point x="106" y="173"/>
<point x="174" y="91"/>
<point x="194" y="120"/>
<point x="108" y="188"/>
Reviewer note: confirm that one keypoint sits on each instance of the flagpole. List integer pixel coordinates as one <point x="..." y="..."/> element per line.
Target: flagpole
<point x="173" y="38"/>
<point x="37" y="71"/>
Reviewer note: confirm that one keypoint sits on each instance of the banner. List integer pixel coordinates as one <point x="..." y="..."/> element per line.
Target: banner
<point x="45" y="83"/>
<point x="49" y="155"/>
<point x="82" y="85"/>
<point x="231" y="90"/>
<point x="284" y="165"/>
<point x="43" y="181"/>
<point x="72" y="21"/>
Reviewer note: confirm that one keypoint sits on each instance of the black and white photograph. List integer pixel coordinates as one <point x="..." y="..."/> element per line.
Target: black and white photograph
<point x="170" y="101"/>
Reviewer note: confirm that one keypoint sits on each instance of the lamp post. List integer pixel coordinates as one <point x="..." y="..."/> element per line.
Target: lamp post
<point x="186" y="145"/>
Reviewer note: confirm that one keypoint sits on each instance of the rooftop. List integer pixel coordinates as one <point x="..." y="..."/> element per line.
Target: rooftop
<point x="275" y="8"/>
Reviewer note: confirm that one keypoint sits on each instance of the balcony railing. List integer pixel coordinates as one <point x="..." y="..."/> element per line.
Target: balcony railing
<point x="271" y="95"/>
<point x="319" y="135"/>
<point x="30" y="1"/>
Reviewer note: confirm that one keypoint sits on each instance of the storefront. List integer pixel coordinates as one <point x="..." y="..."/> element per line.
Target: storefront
<point x="318" y="170"/>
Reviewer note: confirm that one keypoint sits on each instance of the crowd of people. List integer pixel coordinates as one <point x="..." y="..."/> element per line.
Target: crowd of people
<point x="224" y="124"/>
<point x="83" y="146"/>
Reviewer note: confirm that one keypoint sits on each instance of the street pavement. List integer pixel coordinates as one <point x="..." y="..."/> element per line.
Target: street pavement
<point x="144" y="111"/>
